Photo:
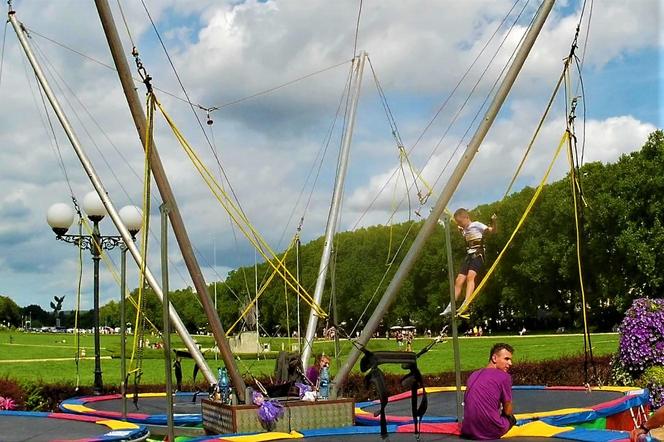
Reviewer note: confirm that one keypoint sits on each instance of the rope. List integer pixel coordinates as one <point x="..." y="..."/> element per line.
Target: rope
<point x="587" y="347"/>
<point x="572" y="154"/>
<point x="259" y="293"/>
<point x="464" y="307"/>
<point x="139" y="341"/>
<point x="237" y="215"/>
<point x="534" y="137"/>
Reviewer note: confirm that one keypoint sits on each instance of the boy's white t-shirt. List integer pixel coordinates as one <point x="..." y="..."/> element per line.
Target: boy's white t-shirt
<point x="474" y="231"/>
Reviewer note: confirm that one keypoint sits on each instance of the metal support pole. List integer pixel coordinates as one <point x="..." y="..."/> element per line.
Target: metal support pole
<point x="167" y="196"/>
<point x="429" y="225"/>
<point x="297" y="276"/>
<point x="335" y="317"/>
<point x="123" y="329"/>
<point x="333" y="217"/>
<point x="95" y="249"/>
<point x="167" y="326"/>
<point x="455" y="334"/>
<point x="103" y="195"/>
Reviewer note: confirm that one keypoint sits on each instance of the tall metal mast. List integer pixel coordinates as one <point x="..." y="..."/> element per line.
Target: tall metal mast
<point x="428" y="228"/>
<point x="333" y="217"/>
<point x="167" y="197"/>
<point x="108" y="204"/>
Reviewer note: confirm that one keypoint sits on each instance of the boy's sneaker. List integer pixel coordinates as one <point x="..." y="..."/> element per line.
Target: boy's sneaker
<point x="447" y="311"/>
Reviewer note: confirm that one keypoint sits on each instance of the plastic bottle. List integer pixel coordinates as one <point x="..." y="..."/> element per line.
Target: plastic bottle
<point x="224" y="385"/>
<point x="324" y="390"/>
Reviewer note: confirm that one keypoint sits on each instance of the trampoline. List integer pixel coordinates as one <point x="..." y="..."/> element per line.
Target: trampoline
<point x="151" y="408"/>
<point x="23" y="426"/>
<point x="555" y="405"/>
<point x="563" y="413"/>
<point x="402" y="433"/>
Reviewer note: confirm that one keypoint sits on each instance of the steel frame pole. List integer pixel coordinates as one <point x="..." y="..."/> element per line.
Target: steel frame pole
<point x="164" y="209"/>
<point x="455" y="331"/>
<point x="103" y="195"/>
<point x="429" y="225"/>
<point x="167" y="196"/>
<point x="123" y="329"/>
<point x="333" y="217"/>
<point x="95" y="248"/>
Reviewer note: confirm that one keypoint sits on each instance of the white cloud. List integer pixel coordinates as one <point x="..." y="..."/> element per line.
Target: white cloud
<point x="225" y="51"/>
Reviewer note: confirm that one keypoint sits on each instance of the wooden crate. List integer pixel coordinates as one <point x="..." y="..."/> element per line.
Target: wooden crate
<point x="219" y="418"/>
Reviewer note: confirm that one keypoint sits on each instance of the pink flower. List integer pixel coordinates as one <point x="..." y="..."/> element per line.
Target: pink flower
<point x="7" y="403"/>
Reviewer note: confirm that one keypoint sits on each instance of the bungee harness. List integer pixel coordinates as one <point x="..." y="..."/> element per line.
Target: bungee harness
<point x="413" y="379"/>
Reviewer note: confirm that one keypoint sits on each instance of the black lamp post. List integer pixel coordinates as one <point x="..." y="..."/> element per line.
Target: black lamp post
<point x="60" y="217"/>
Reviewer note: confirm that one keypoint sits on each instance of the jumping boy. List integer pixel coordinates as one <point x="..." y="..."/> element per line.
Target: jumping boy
<point x="473" y="264"/>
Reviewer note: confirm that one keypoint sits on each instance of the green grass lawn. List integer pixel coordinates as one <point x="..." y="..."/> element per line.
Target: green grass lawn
<point x="33" y="356"/>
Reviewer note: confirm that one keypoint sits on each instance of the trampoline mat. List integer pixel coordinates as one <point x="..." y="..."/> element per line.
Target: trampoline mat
<point x="523" y="401"/>
<point x="42" y="429"/>
<point x="410" y="437"/>
<point x="152" y="405"/>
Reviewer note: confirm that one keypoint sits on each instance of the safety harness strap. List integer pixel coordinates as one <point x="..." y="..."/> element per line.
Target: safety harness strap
<point x="413" y="379"/>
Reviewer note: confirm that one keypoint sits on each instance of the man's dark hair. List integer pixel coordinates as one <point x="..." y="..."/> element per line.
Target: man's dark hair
<point x="500" y="346"/>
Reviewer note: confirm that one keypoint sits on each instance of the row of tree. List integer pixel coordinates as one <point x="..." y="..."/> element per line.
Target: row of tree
<point x="536" y="285"/>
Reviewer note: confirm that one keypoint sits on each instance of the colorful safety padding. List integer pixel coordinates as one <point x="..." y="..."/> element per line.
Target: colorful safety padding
<point x="637" y="399"/>
<point x="80" y="406"/>
<point x="560" y="417"/>
<point x="120" y="431"/>
<point x="252" y="437"/>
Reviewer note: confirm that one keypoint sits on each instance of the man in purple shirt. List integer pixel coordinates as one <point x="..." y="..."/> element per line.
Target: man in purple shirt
<point x="487" y="410"/>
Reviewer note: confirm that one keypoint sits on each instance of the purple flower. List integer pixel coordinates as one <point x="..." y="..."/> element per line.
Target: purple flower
<point x="642" y="336"/>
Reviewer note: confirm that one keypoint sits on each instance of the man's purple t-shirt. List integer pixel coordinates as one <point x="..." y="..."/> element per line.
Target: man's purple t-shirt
<point x="486" y="390"/>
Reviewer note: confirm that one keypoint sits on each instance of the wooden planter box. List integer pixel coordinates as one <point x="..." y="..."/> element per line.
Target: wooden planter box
<point x="298" y="415"/>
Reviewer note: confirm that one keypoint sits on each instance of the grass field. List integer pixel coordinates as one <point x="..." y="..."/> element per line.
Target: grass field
<point x="50" y="357"/>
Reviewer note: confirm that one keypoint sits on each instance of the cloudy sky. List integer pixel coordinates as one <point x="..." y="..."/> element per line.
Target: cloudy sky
<point x="270" y="145"/>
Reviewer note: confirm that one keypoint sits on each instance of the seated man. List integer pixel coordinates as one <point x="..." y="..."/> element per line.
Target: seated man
<point x="487" y="410"/>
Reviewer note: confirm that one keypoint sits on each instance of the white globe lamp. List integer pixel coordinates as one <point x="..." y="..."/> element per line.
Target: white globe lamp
<point x="132" y="218"/>
<point x="60" y="217"/>
<point x="93" y="207"/>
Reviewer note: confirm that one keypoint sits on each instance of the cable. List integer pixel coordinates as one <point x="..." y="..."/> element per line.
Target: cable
<point x="276" y="88"/>
<point x="486" y="98"/>
<point x="184" y="100"/>
<point x="440" y="109"/>
<point x="124" y="20"/>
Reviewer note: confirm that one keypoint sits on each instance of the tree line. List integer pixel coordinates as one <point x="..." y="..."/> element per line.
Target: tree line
<point x="535" y="286"/>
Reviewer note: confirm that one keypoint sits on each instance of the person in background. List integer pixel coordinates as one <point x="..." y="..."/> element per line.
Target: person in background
<point x="488" y="410"/>
<point x="313" y="372"/>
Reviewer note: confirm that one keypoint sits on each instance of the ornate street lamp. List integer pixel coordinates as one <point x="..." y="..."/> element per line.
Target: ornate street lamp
<point x="60" y="217"/>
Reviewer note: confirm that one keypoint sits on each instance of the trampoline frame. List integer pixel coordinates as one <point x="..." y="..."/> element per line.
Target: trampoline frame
<point x="84" y="406"/>
<point x="117" y="430"/>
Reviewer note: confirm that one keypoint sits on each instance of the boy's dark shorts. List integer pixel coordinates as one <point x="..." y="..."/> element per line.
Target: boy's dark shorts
<point x="472" y="262"/>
